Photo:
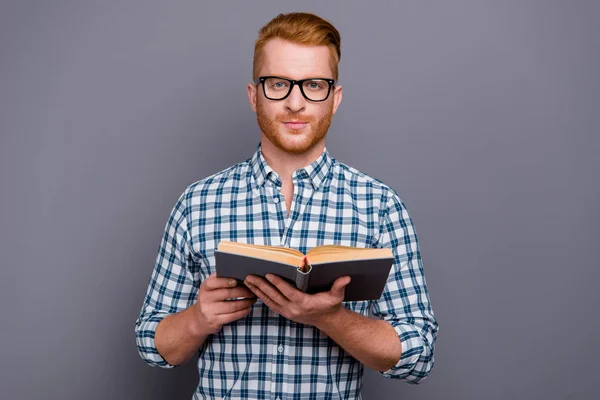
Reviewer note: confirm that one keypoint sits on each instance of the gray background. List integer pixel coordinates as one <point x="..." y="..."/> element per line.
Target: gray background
<point x="483" y="115"/>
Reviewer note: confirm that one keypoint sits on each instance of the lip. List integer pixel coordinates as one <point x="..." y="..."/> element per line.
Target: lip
<point x="295" y="124"/>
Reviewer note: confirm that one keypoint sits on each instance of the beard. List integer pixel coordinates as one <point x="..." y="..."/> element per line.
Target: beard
<point x="294" y="143"/>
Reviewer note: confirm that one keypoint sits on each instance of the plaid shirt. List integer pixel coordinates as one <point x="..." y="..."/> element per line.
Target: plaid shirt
<point x="264" y="355"/>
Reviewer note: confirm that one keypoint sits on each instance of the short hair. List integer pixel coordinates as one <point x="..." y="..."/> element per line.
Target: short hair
<point x="300" y="28"/>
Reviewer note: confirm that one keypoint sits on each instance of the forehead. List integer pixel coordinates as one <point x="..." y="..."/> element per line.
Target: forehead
<point x="291" y="60"/>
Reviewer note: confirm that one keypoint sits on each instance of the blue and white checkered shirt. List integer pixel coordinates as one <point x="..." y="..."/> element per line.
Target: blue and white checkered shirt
<point x="264" y="355"/>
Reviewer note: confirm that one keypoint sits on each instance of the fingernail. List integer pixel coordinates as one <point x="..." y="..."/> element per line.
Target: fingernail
<point x="232" y="282"/>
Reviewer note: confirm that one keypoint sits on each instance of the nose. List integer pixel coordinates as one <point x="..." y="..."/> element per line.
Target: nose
<point x="295" y="102"/>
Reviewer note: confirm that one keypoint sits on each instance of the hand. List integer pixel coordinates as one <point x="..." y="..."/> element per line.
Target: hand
<point x="212" y="309"/>
<point x="295" y="305"/>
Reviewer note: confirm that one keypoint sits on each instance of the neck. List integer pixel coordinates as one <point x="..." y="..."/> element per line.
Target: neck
<point x="285" y="163"/>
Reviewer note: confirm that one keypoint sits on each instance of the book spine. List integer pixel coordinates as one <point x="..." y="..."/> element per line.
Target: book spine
<point x="303" y="277"/>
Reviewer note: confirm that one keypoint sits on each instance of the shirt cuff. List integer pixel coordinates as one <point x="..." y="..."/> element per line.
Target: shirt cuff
<point x="145" y="332"/>
<point x="412" y="348"/>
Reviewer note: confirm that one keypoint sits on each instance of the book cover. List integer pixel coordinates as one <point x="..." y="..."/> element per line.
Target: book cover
<point x="369" y="270"/>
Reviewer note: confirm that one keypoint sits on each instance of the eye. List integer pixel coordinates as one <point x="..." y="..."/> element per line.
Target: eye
<point x="316" y="85"/>
<point x="277" y="84"/>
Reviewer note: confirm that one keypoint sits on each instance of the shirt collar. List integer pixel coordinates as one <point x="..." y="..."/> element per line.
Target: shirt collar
<point x="316" y="172"/>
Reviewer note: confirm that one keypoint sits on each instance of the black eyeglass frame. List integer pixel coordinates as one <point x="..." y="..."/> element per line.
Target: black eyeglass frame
<point x="293" y="82"/>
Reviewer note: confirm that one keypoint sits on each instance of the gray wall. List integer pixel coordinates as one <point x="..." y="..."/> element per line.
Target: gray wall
<point x="482" y="115"/>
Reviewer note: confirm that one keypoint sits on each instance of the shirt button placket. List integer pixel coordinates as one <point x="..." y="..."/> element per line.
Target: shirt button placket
<point x="279" y="350"/>
<point x="274" y="375"/>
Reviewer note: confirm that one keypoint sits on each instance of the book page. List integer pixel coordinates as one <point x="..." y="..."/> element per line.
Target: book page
<point x="332" y="253"/>
<point x="280" y="254"/>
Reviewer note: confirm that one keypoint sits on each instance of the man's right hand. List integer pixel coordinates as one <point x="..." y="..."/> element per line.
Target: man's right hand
<point x="211" y="308"/>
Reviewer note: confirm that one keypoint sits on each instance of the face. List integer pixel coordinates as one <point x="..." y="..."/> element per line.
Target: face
<point x="294" y="125"/>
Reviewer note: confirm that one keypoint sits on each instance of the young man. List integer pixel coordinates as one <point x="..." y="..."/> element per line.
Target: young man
<point x="279" y="342"/>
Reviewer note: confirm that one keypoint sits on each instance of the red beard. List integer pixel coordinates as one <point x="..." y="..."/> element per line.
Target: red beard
<point x="296" y="143"/>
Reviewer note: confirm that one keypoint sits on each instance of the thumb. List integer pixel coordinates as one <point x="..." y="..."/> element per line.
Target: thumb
<point x="339" y="285"/>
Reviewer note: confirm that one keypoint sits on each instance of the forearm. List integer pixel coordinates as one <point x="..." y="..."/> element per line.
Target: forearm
<point x="179" y="336"/>
<point x="372" y="342"/>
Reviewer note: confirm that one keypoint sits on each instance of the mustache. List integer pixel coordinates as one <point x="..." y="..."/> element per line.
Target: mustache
<point x="295" y="118"/>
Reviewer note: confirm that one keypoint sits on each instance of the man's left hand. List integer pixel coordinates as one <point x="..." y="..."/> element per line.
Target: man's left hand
<point x="283" y="298"/>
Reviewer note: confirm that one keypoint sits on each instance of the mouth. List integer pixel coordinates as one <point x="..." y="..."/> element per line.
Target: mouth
<point x="295" y="124"/>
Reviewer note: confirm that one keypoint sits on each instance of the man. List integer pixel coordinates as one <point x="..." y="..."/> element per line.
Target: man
<point x="278" y="342"/>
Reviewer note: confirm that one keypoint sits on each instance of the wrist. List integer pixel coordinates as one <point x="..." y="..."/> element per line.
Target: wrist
<point x="326" y="322"/>
<point x="196" y="326"/>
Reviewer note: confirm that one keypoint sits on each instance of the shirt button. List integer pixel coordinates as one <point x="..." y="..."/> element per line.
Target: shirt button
<point x="280" y="348"/>
<point x="275" y="200"/>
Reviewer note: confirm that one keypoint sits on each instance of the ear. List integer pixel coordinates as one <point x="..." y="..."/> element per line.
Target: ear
<point x="252" y="96"/>
<point x="337" y="97"/>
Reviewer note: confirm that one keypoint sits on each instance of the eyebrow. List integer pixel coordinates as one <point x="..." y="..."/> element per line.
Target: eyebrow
<point x="309" y="77"/>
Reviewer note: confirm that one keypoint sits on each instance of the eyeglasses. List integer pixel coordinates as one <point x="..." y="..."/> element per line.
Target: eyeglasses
<point x="313" y="89"/>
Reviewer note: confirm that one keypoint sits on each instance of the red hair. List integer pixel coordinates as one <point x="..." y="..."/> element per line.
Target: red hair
<point x="300" y="28"/>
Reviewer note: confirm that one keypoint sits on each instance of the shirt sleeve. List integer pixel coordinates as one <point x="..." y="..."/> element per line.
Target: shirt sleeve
<point x="172" y="287"/>
<point x="404" y="302"/>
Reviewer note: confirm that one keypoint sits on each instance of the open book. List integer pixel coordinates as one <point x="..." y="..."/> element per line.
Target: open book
<point x="311" y="273"/>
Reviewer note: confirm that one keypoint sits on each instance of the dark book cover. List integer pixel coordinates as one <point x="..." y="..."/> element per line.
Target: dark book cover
<point x="368" y="276"/>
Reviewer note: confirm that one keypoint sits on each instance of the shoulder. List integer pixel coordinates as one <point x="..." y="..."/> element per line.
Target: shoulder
<point x="364" y="183"/>
<point x="210" y="187"/>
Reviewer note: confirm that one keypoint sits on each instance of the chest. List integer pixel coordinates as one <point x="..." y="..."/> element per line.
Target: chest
<point x="311" y="218"/>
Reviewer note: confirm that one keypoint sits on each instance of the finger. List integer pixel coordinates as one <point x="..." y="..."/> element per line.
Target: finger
<point x="227" y="318"/>
<point x="223" y="294"/>
<point x="213" y="282"/>
<point x="265" y="287"/>
<point x="269" y="302"/>
<point x="338" y="288"/>
<point x="231" y="307"/>
<point x="284" y="287"/>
